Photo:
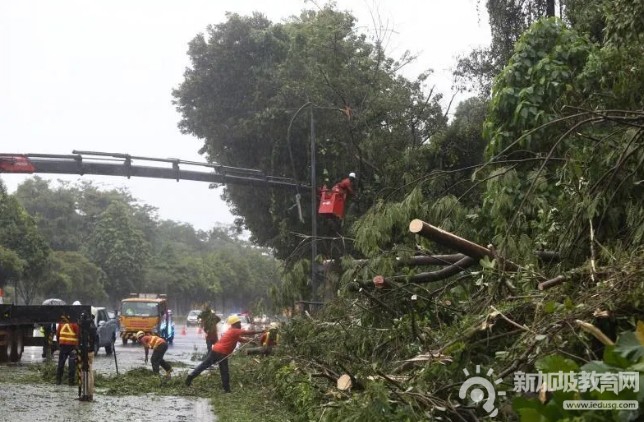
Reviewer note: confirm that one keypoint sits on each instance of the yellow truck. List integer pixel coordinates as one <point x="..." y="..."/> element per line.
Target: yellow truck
<point x="147" y="312"/>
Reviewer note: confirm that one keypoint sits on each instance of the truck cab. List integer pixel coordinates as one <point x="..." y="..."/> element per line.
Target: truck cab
<point x="147" y="312"/>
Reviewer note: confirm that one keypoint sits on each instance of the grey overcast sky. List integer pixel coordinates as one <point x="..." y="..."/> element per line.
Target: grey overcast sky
<point x="97" y="76"/>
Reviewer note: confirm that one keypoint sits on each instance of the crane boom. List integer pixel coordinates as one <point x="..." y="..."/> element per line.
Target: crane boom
<point x="116" y="164"/>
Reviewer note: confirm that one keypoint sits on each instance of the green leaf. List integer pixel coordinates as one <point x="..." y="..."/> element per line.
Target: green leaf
<point x="487" y="263"/>
<point x="629" y="346"/>
<point x="597" y="366"/>
<point x="550" y="307"/>
<point x="556" y="363"/>
<point x="611" y="357"/>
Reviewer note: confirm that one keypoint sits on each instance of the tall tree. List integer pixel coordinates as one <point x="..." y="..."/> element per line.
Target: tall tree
<point x="73" y="277"/>
<point x="556" y="84"/>
<point x="120" y="249"/>
<point x="54" y="210"/>
<point x="249" y="94"/>
<point x="508" y="19"/>
<point x="23" y="251"/>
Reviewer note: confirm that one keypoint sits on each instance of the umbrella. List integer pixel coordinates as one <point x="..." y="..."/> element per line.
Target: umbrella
<point x="54" y="302"/>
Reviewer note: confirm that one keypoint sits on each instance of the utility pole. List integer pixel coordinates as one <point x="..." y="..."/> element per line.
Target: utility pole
<point x="314" y="226"/>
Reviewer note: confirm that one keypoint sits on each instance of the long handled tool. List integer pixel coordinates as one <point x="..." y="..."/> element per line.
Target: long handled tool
<point x="236" y="350"/>
<point x="115" y="361"/>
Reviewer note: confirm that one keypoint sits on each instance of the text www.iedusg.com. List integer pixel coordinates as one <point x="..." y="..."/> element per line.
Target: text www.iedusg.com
<point x="600" y="405"/>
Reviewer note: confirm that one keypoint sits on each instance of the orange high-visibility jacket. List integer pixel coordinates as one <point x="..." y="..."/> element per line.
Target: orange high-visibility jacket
<point x="152" y="342"/>
<point x="68" y="333"/>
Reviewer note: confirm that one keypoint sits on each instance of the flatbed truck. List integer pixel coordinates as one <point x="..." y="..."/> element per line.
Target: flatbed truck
<point x="17" y="324"/>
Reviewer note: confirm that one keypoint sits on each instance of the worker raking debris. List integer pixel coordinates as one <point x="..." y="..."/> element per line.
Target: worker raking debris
<point x="222" y="350"/>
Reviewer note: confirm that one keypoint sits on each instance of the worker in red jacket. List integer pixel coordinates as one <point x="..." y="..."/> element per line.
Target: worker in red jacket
<point x="345" y="186"/>
<point x="68" y="334"/>
<point x="222" y="349"/>
<point x="159" y="346"/>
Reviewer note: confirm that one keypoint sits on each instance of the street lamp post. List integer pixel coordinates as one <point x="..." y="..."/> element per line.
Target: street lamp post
<point x="314" y="226"/>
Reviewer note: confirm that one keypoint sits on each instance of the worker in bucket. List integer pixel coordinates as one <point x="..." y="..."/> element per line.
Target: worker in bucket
<point x="68" y="334"/>
<point x="159" y="346"/>
<point x="345" y="186"/>
<point x="222" y="350"/>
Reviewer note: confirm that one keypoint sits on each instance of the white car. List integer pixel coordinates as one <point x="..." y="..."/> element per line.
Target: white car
<point x="193" y="318"/>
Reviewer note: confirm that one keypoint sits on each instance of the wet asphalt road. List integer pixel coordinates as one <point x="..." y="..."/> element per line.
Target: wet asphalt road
<point x="131" y="355"/>
<point x="20" y="402"/>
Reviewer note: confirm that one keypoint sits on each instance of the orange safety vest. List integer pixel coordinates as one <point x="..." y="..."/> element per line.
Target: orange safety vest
<point x="270" y="339"/>
<point x="67" y="334"/>
<point x="155" y="341"/>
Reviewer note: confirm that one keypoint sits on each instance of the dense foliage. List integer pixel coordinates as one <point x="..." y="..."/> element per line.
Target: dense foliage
<point x="250" y="93"/>
<point x="551" y="162"/>
<point x="547" y="162"/>
<point x="23" y="250"/>
<point x="77" y="242"/>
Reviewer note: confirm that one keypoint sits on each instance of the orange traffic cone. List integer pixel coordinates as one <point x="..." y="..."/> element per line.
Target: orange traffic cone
<point x="183" y="331"/>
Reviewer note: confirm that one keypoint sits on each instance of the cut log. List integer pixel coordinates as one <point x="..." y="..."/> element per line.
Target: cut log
<point x="552" y="282"/>
<point x="457" y="243"/>
<point x="344" y="382"/>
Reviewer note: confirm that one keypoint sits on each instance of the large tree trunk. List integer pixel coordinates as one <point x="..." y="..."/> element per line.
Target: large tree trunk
<point x="457" y="243"/>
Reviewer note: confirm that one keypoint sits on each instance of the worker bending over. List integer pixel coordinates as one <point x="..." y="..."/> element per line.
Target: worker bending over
<point x="159" y="346"/>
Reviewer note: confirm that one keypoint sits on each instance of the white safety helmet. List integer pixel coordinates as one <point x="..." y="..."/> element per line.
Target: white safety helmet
<point x="76" y="302"/>
<point x="352" y="175"/>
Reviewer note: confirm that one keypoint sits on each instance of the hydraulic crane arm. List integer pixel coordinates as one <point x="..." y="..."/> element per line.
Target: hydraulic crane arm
<point x="109" y="164"/>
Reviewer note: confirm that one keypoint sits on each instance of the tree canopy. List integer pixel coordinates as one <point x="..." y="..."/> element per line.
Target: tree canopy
<point x="98" y="246"/>
<point x="249" y="95"/>
<point x="542" y="172"/>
